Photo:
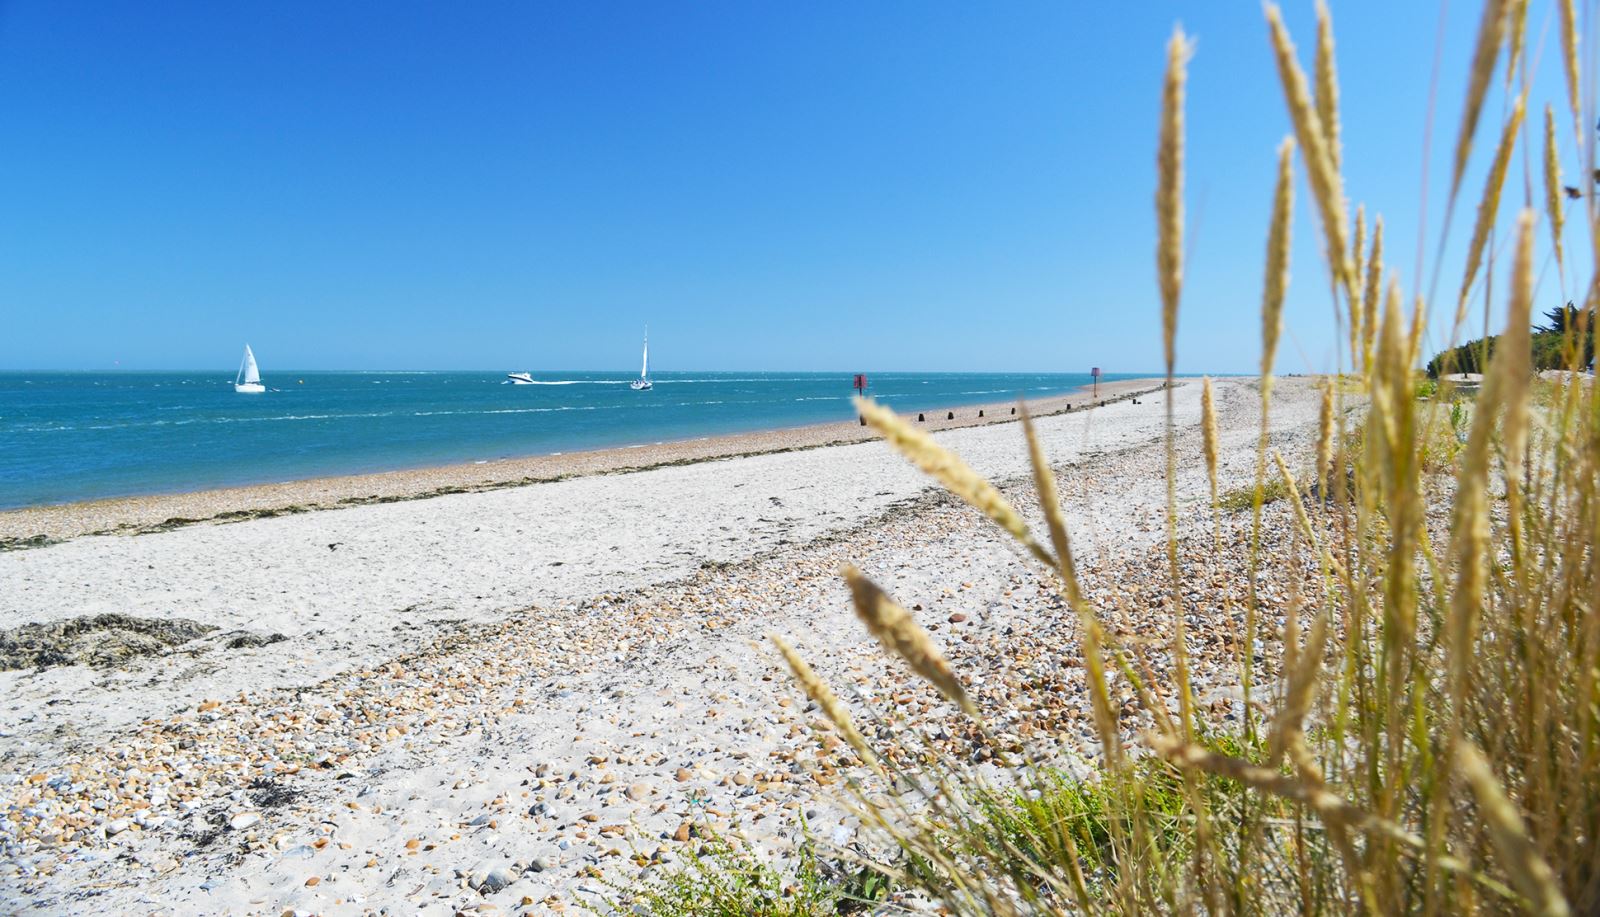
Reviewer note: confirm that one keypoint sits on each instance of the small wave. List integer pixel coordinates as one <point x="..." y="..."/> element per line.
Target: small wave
<point x="659" y="381"/>
<point x="577" y="382"/>
<point x="769" y="379"/>
<point x="565" y="407"/>
<point x="194" y="420"/>
<point x="282" y="417"/>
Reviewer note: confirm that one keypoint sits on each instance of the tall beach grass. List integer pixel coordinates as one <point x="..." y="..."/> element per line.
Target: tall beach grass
<point x="1428" y="739"/>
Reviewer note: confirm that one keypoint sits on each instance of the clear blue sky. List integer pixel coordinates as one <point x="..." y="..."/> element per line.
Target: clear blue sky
<point x="893" y="186"/>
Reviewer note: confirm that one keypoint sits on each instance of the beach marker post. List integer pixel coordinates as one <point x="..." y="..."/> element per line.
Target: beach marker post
<point x="1094" y="372"/>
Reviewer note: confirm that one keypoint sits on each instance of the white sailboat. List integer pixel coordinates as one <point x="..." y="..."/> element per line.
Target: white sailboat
<point x="642" y="384"/>
<point x="248" y="379"/>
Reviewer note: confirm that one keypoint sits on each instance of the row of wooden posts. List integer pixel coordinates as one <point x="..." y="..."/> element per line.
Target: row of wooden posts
<point x="951" y="415"/>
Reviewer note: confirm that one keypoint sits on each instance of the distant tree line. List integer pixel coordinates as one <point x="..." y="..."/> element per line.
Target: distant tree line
<point x="1565" y="328"/>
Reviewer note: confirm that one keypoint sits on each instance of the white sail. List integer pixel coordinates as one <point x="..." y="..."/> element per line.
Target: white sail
<point x="642" y="384"/>
<point x="248" y="380"/>
<point x="249" y="374"/>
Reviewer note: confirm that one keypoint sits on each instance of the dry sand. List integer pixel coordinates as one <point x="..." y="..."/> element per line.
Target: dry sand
<point x="539" y="686"/>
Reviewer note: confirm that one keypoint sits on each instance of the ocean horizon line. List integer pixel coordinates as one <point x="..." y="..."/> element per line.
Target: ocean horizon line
<point x="619" y="370"/>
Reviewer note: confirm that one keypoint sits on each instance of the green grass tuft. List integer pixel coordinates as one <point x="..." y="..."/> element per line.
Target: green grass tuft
<point x="1241" y="499"/>
<point x="722" y="877"/>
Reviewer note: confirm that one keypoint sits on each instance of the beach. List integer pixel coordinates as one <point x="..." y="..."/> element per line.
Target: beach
<point x="44" y="524"/>
<point x="497" y="687"/>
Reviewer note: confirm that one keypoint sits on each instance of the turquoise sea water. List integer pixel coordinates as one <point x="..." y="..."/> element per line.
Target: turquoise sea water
<point x="80" y="436"/>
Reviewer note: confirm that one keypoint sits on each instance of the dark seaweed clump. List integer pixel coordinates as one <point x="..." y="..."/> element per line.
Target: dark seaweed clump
<point x="96" y="640"/>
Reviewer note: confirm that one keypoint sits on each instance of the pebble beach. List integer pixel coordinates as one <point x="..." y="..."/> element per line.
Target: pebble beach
<point x="518" y="687"/>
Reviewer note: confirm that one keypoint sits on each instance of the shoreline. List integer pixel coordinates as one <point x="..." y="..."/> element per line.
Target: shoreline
<point x="39" y="526"/>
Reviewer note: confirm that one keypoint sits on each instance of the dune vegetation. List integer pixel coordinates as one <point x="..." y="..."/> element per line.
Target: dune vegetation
<point x="1427" y="736"/>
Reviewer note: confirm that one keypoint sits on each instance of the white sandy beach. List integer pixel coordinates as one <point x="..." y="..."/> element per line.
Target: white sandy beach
<point x="481" y="672"/>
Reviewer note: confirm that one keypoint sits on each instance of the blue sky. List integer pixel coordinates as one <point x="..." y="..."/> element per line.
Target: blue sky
<point x="890" y="186"/>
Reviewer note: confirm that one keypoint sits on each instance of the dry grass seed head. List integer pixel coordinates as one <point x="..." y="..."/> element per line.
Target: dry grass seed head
<point x="1358" y="245"/>
<point x="1358" y="269"/>
<point x="1208" y="431"/>
<point x="1325" y="432"/>
<point x="948" y="469"/>
<point x="901" y="635"/>
<point x="1169" y="193"/>
<point x="1277" y="279"/>
<point x="1302" y="682"/>
<point x="1327" y="77"/>
<point x="818" y="691"/>
<point x="1569" y="56"/>
<point x="1491" y="31"/>
<point x="1515" y="351"/>
<point x="1292" y="488"/>
<point x="1044" y="480"/>
<point x="1517" y="27"/>
<point x="1552" y="181"/>
<point x="1326" y="185"/>
<point x="1370" y="294"/>
<point x="1488" y="208"/>
<point x="1531" y="874"/>
<point x="1390" y="366"/>
<point x="1419" y="322"/>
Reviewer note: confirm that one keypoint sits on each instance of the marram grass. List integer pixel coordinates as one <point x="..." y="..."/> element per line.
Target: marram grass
<point x="1491" y="35"/>
<point x="1210" y="438"/>
<point x="818" y="691"/>
<point x="901" y="635"/>
<point x="1552" y="183"/>
<point x="1370" y="293"/>
<point x="1428" y="740"/>
<point x="1327" y="186"/>
<point x="1169" y="193"/>
<point x="1488" y="209"/>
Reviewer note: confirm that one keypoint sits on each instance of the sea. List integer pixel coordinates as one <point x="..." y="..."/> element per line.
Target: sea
<point x="71" y="436"/>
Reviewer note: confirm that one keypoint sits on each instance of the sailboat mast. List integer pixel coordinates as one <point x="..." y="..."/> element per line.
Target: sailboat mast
<point x="644" y="370"/>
